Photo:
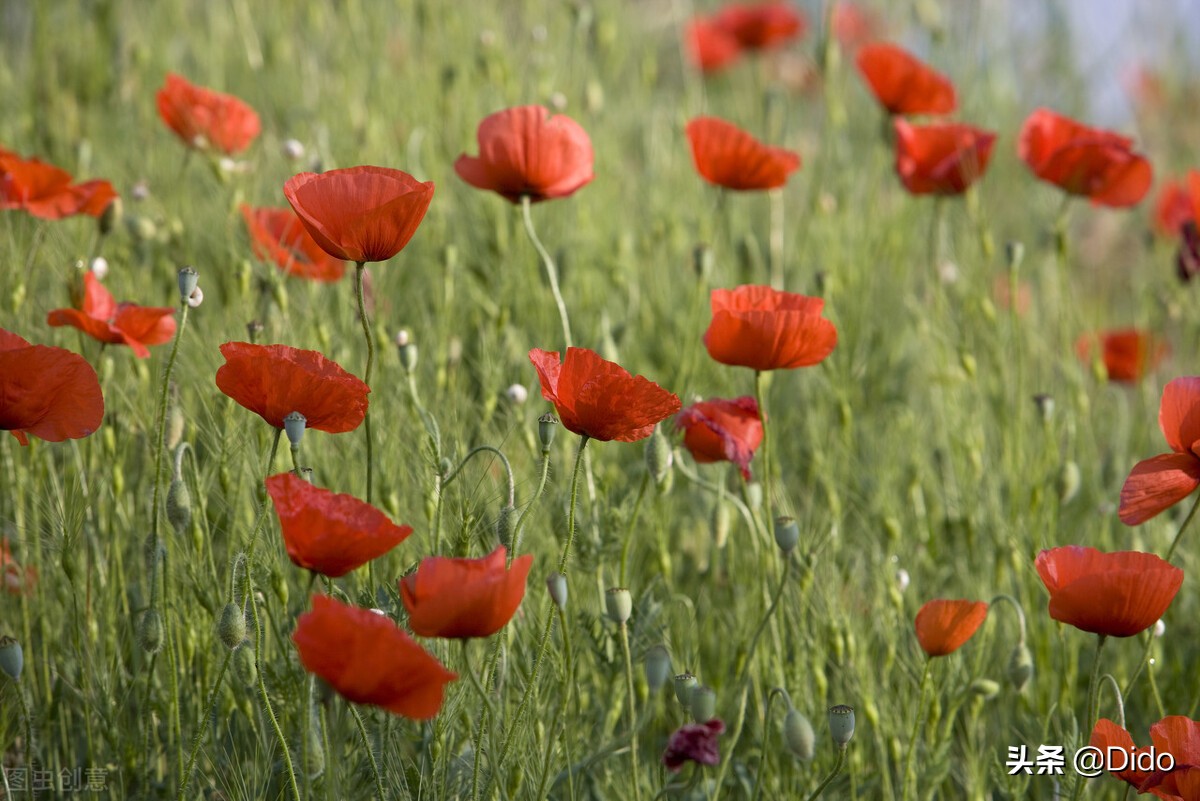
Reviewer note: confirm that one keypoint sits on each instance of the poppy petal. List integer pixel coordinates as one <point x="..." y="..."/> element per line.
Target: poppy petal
<point x="1156" y="484"/>
<point x="902" y="83"/>
<point x="1179" y="413"/>
<point x="49" y="392"/>
<point x="943" y="626"/>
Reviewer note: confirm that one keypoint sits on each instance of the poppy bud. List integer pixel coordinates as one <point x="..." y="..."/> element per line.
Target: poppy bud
<point x="314" y="750"/>
<point x="110" y="217"/>
<point x="684" y="684"/>
<point x="175" y="423"/>
<point x="1020" y="667"/>
<point x="232" y="626"/>
<point x="787" y="533"/>
<point x="658" y="456"/>
<point x="798" y="735"/>
<point x="505" y="524"/>
<point x="179" y="506"/>
<point x="244" y="666"/>
<point x="1014" y="254"/>
<point x="720" y="523"/>
<point x="407" y="350"/>
<point x="150" y="631"/>
<point x="279" y="587"/>
<point x="841" y="724"/>
<point x="1068" y="482"/>
<point x="619" y="604"/>
<point x="754" y="496"/>
<point x="984" y="688"/>
<point x="12" y="658"/>
<point x="556" y="583"/>
<point x="658" y="667"/>
<point x="293" y="426"/>
<point x="702" y="261"/>
<point x="1045" y="406"/>
<point x="188" y="279"/>
<point x="703" y="704"/>
<point x="547" y="428"/>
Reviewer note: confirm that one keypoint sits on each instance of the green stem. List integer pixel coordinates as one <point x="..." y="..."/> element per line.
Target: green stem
<point x="916" y="731"/>
<point x="362" y="732"/>
<point x="161" y="422"/>
<point x="512" y="489"/>
<point x="837" y="768"/>
<point x="566" y="552"/>
<point x="487" y="712"/>
<point x="760" y="399"/>
<point x="1182" y="528"/>
<point x="360" y="269"/>
<point x="551" y="269"/>
<point x="776" y="238"/>
<point x="762" y="763"/>
<point x="516" y="543"/>
<point x="198" y="738"/>
<point x="1090" y="712"/>
<point x="635" y="775"/>
<point x="637" y="507"/>
<point x="262" y="690"/>
<point x="1117" y="695"/>
<point x="762" y="625"/>
<point x="27" y="718"/>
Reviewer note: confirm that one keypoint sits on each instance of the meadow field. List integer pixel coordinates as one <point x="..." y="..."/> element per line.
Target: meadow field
<point x="327" y="482"/>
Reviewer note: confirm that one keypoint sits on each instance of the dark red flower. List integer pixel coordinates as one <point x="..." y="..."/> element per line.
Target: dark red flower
<point x="277" y="235"/>
<point x="275" y="380"/>
<point x="722" y="430"/>
<point x="1128" y="353"/>
<point x="1187" y="260"/>
<point x="526" y="151"/>
<point x="327" y="532"/>
<point x="600" y="399"/>
<point x="461" y="598"/>
<point x="1175" y="735"/>
<point x="360" y="214"/>
<point x="1115" y="594"/>
<point x="902" y="83"/>
<point x="941" y="159"/>
<point x="205" y="119"/>
<point x="1092" y="162"/>
<point x="1178" y="203"/>
<point x="105" y="320"/>
<point x="46" y="191"/>
<point x="943" y="626"/>
<point x="1156" y="484"/>
<point x="51" y="393"/>
<point x="761" y="26"/>
<point x="696" y="742"/>
<point x="368" y="659"/>
<point x="727" y="156"/>
<point x="766" y="329"/>
<point x="710" y="47"/>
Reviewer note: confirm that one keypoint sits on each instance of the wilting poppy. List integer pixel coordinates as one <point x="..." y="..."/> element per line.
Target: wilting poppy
<point x="1178" y="202"/>
<point x="48" y="392"/>
<point x="710" y="47"/>
<point x="943" y="626"/>
<point x="105" y="320"/>
<point x="941" y="159"/>
<point x="727" y="156"/>
<point x="277" y="235"/>
<point x="766" y="329"/>
<point x="1114" y="594"/>
<point x="1128" y="353"/>
<point x="461" y="598"/>
<point x="368" y="659"/>
<point x="1187" y="259"/>
<point x="600" y="399"/>
<point x="360" y="214"/>
<point x="761" y="26"/>
<point x="205" y="119"/>
<point x="327" y="532"/>
<point x="1091" y="162"/>
<point x="1176" y="735"/>
<point x="275" y="380"/>
<point x="696" y="742"/>
<point x="1158" y="483"/>
<point x="46" y="191"/>
<point x="527" y="152"/>
<point x="721" y="430"/>
<point x="902" y="83"/>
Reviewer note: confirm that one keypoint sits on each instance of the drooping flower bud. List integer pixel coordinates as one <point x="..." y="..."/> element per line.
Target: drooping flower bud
<point x="619" y="604"/>
<point x="12" y="659"/>
<point x="506" y="524"/>
<point x="150" y="631"/>
<point x="798" y="735"/>
<point x="703" y="704"/>
<point x="659" y="457"/>
<point x="1068" y="482"/>
<point x="1020" y="667"/>
<point x="986" y="689"/>
<point x="556" y="583"/>
<point x="232" y="626"/>
<point x="702" y="261"/>
<point x="841" y="724"/>
<point x="658" y="667"/>
<point x="244" y="664"/>
<point x="179" y="505"/>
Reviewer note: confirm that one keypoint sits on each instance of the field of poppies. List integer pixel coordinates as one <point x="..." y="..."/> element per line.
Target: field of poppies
<point x="592" y="400"/>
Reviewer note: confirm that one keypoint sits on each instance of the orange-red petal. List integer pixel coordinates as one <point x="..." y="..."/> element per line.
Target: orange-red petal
<point x="722" y="430"/>
<point x="461" y="598"/>
<point x="1127" y="353"/>
<point x="1156" y="484"/>
<point x="278" y="236"/>
<point x="205" y="118"/>
<point x="48" y="392"/>
<point x="943" y="626"/>
<point x="1179" y="414"/>
<point x="902" y="83"/>
<point x="727" y="156"/>
<point x="766" y="329"/>
<point x="941" y="159"/>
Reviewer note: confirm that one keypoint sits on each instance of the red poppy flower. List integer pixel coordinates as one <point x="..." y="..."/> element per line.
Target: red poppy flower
<point x="761" y="26"/>
<point x="205" y="119"/>
<point x="51" y="393"/>
<point x="277" y="235"/>
<point x="327" y="532"/>
<point x="600" y="399"/>
<point x="852" y="25"/>
<point x="1187" y="260"/>
<point x="1128" y="354"/>
<point x="1156" y="484"/>
<point x="943" y="626"/>
<point x="727" y="156"/>
<point x="461" y="598"/>
<point x="1115" y="594"/>
<point x="360" y="214"/>
<point x="1107" y="734"/>
<point x="1176" y="735"/>
<point x="902" y="83"/>
<point x="696" y="742"/>
<point x="46" y="191"/>
<point x="368" y="659"/>
<point x="765" y="329"/>
<point x="941" y="159"/>
<point x="105" y="320"/>
<point x="720" y="430"/>
<point x="527" y="151"/>
<point x="711" y="47"/>
<point x="15" y="579"/>
<point x="275" y="380"/>
<point x="1084" y="161"/>
<point x="1178" y="203"/>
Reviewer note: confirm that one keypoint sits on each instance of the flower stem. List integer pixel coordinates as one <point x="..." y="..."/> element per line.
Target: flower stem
<point x="637" y="507"/>
<point x="566" y="553"/>
<point x="360" y="270"/>
<point x="362" y="732"/>
<point x="1090" y="711"/>
<point x="1182" y="528"/>
<point x="27" y="718"/>
<point x="776" y="238"/>
<point x="198" y="739"/>
<point x="262" y="690"/>
<point x="161" y="422"/>
<point x="516" y="543"/>
<point x="762" y="625"/>
<point x="916" y="731"/>
<point x="551" y="269"/>
<point x="760" y="399"/>
<point x="635" y="775"/>
<point x="762" y="763"/>
<point x="512" y="490"/>
<point x="837" y="768"/>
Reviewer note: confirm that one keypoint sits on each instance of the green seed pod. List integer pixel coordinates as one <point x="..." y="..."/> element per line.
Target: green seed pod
<point x="231" y="628"/>
<point x="12" y="659"/>
<point x="293" y="426"/>
<point x="506" y="524"/>
<point x="619" y="604"/>
<point x="150" y="631"/>
<point x="547" y="428"/>
<point x="787" y="533"/>
<point x="658" y="457"/>
<point x="684" y="684"/>
<point x="841" y="724"/>
<point x="244" y="666"/>
<point x="703" y="704"/>
<point x="179" y="506"/>
<point x="1020" y="667"/>
<point x="798" y="735"/>
<point x="657" y="664"/>
<point x="188" y="279"/>
<point x="985" y="689"/>
<point x="1068" y="482"/>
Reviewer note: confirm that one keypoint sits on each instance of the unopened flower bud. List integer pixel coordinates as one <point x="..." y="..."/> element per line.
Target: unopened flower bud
<point x="407" y="350"/>
<point x="1014" y="254"/>
<point x="754" y="496"/>
<point x="150" y="631"/>
<point x="188" y="279"/>
<point x="658" y="667"/>
<point x="293" y="426"/>
<point x="232" y="626"/>
<point x="703" y="704"/>
<point x="619" y="604"/>
<point x="556" y="583"/>
<point x="547" y="428"/>
<point x="1045" y="406"/>
<point x="841" y="724"/>
<point x="1068" y="482"/>
<point x="798" y="735"/>
<point x="1020" y="667"/>
<point x="684" y="684"/>
<point x="244" y="666"/>
<point x="506" y="523"/>
<point x="702" y="261"/>
<point x="110" y="217"/>
<point x="787" y="533"/>
<point x="179" y="506"/>
<point x="12" y="658"/>
<point x="658" y="456"/>
<point x="720" y="523"/>
<point x="984" y="688"/>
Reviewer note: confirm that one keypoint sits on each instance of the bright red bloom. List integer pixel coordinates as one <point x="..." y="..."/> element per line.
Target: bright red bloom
<point x="1092" y="162"/>
<point x="941" y="159"/>
<point x="727" y="156"/>
<point x="720" y="430"/>
<point x="277" y="235"/>
<point x="1114" y="594"/>
<point x="943" y="626"/>
<point x="1128" y="353"/>
<point x="1176" y="735"/>
<point x="1178" y="203"/>
<point x="205" y="119"/>
<point x="368" y="659"/>
<point x="711" y="47"/>
<point x="761" y="26"/>
<point x="902" y="83"/>
<point x="696" y="742"/>
<point x="1156" y="484"/>
<point x="853" y="26"/>
<point x="527" y="151"/>
<point x="46" y="191"/>
<point x="765" y="329"/>
<point x="51" y="393"/>
<point x="599" y="399"/>
<point x="327" y="532"/>
<point x="14" y="579"/>
<point x="105" y="320"/>
<point x="461" y="598"/>
<point x="275" y="380"/>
